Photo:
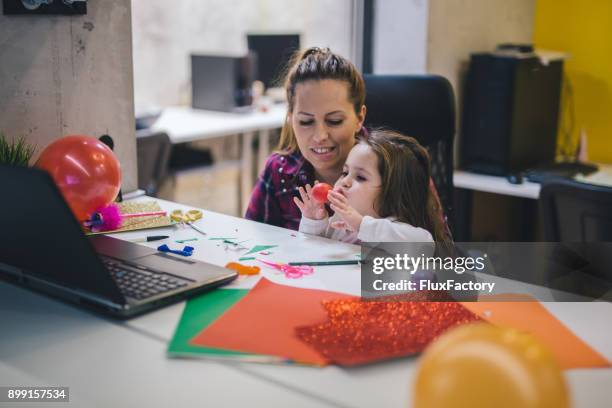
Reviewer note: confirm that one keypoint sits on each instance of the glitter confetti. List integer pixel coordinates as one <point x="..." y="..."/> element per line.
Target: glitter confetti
<point x="364" y="331"/>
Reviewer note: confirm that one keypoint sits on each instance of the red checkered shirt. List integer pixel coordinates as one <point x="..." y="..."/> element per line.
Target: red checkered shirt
<point x="272" y="198"/>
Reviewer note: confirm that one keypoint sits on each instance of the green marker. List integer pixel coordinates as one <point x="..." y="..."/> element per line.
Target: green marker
<point x="180" y="241"/>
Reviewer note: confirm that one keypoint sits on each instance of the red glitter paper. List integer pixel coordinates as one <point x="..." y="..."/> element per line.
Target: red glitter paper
<point x="364" y="331"/>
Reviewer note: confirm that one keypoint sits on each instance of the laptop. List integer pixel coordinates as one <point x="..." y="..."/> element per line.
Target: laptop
<point x="43" y="247"/>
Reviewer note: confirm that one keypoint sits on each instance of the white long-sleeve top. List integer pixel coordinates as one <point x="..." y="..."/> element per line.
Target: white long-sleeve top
<point x="370" y="230"/>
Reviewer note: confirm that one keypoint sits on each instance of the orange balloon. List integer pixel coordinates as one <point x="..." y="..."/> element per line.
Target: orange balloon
<point x="86" y="171"/>
<point x="480" y="365"/>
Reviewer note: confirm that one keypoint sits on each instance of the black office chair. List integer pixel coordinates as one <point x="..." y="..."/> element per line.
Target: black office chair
<point x="575" y="212"/>
<point x="579" y="217"/>
<point x="421" y="106"/>
<point x="153" y="150"/>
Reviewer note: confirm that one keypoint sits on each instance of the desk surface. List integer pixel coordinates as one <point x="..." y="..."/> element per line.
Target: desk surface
<point x="494" y="184"/>
<point x="184" y="124"/>
<point x="499" y="185"/>
<point x="111" y="363"/>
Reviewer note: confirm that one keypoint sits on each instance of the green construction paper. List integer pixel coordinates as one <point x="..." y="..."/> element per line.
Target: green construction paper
<point x="220" y="238"/>
<point x="247" y="258"/>
<point x="198" y="314"/>
<point x="259" y="248"/>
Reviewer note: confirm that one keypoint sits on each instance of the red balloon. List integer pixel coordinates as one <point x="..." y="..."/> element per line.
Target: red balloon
<point x="86" y="171"/>
<point x="319" y="192"/>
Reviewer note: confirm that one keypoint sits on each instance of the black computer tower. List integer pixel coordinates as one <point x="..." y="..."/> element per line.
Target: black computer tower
<point x="222" y="83"/>
<point x="510" y="112"/>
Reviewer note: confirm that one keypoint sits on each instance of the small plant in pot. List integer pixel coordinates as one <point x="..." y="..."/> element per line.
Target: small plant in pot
<point x="16" y="152"/>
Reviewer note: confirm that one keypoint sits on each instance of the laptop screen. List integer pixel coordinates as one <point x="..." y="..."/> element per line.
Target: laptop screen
<point x="40" y="236"/>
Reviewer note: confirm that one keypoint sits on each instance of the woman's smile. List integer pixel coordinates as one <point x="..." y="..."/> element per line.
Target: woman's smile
<point x="324" y="153"/>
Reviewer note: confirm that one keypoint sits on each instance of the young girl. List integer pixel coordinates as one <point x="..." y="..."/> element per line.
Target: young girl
<point x="382" y="195"/>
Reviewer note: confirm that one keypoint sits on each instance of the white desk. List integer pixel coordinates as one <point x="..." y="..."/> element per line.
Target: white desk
<point x="494" y="184"/>
<point x="470" y="182"/>
<point x="499" y="185"/>
<point x="184" y="124"/>
<point x="109" y="363"/>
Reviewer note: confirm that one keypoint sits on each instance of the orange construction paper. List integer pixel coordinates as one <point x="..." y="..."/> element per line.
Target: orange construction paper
<point x="264" y="322"/>
<point x="528" y="315"/>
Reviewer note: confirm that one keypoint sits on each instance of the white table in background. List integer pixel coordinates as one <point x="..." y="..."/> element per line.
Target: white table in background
<point x="469" y="182"/>
<point x="500" y="185"/>
<point x="111" y="363"/>
<point x="185" y="124"/>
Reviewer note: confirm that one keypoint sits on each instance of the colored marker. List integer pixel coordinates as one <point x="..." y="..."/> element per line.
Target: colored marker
<point x="151" y="238"/>
<point x="327" y="263"/>
<point x="180" y="241"/>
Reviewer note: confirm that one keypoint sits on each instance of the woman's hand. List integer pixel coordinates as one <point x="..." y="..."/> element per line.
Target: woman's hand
<point x="309" y="207"/>
<point x="351" y="219"/>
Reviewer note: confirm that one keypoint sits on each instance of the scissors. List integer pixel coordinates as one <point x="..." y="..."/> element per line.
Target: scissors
<point x="290" y="271"/>
<point x="189" y="217"/>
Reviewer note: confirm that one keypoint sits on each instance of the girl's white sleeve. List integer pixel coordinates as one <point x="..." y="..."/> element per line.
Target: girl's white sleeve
<point x="314" y="227"/>
<point x="387" y="230"/>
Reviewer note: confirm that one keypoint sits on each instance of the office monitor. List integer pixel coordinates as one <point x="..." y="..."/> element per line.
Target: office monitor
<point x="222" y="83"/>
<point x="273" y="54"/>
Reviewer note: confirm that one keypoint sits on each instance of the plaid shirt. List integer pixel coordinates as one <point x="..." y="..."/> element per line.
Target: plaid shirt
<point x="272" y="198"/>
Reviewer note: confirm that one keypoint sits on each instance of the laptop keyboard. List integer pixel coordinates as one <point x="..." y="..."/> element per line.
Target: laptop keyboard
<point x="139" y="284"/>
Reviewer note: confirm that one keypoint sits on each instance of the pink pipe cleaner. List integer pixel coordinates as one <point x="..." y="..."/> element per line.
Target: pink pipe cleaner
<point x="109" y="218"/>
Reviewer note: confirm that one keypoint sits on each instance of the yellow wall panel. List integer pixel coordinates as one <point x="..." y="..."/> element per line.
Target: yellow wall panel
<point x="584" y="30"/>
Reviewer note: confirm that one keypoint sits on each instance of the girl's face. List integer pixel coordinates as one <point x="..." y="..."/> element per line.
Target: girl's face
<point x="360" y="182"/>
<point x="325" y="123"/>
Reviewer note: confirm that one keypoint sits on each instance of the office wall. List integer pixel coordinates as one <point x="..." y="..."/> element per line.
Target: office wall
<point x="166" y="32"/>
<point x="584" y="30"/>
<point x="400" y="37"/>
<point x="62" y="75"/>
<point x="457" y="28"/>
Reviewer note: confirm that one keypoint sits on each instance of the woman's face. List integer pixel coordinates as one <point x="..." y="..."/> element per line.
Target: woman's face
<point x="325" y="123"/>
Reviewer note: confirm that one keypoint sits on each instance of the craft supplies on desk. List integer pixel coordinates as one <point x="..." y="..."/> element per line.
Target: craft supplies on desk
<point x="186" y="251"/>
<point x="110" y="218"/>
<point x="151" y="238"/>
<point x="290" y="271"/>
<point x="138" y="223"/>
<point x="272" y="311"/>
<point x="181" y="241"/>
<point x="243" y="269"/>
<point x="326" y="263"/>
<point x="188" y="218"/>
<point x="318" y="327"/>
<point x="198" y="314"/>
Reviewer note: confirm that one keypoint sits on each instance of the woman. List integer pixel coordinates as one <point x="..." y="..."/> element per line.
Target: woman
<point x="325" y="95"/>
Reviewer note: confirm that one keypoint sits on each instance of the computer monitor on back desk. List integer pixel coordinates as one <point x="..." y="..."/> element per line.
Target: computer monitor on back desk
<point x="273" y="54"/>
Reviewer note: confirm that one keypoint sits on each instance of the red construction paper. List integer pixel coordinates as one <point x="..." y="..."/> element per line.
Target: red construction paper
<point x="264" y="322"/>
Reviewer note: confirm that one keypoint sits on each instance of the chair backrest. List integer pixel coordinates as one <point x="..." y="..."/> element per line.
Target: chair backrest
<point x="153" y="151"/>
<point x="421" y="106"/>
<point x="575" y="212"/>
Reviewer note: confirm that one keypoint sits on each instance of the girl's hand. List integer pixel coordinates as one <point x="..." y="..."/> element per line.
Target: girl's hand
<point x="309" y="207"/>
<point x="351" y="219"/>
